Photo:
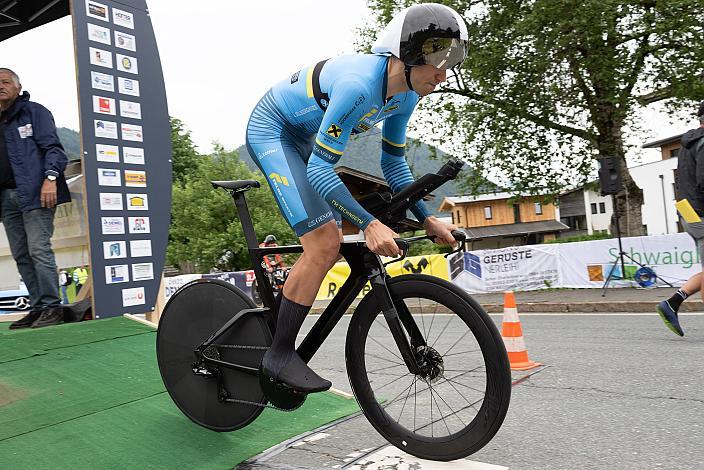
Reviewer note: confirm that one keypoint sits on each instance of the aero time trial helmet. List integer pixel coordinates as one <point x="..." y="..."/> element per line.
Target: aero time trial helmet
<point x="427" y="33"/>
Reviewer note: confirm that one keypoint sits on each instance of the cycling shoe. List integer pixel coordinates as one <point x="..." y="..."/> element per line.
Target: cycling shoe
<point x="298" y="376"/>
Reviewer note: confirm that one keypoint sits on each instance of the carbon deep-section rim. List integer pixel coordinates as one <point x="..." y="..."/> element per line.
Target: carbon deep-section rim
<point x="458" y="401"/>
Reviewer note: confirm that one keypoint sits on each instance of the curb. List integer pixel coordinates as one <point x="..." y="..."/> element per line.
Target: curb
<point x="577" y="307"/>
<point x="593" y="307"/>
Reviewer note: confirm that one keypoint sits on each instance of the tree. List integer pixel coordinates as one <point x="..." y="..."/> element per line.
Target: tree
<point x="551" y="85"/>
<point x="205" y="230"/>
<point x="184" y="154"/>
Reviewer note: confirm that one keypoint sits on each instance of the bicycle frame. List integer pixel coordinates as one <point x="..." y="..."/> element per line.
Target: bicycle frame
<point x="365" y="266"/>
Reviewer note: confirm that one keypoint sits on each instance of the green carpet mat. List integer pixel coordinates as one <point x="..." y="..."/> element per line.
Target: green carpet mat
<point x="93" y="398"/>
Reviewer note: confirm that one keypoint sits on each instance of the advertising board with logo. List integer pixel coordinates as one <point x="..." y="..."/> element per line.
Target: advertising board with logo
<point x="127" y="152"/>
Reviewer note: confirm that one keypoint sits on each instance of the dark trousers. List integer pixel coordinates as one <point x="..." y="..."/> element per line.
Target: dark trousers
<point x="29" y="234"/>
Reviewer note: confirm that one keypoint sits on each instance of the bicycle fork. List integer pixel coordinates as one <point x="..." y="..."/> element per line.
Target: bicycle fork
<point x="397" y="318"/>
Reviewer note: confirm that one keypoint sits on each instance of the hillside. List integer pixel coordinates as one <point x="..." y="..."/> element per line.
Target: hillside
<point x="71" y="141"/>
<point x="363" y="151"/>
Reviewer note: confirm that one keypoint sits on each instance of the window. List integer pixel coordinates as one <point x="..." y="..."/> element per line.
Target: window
<point x="538" y="208"/>
<point x="674" y="152"/>
<point x="674" y="185"/>
<point x="594" y="208"/>
<point x="453" y="217"/>
<point x="487" y="212"/>
<point x="602" y="208"/>
<point x="517" y="213"/>
<point x="458" y="217"/>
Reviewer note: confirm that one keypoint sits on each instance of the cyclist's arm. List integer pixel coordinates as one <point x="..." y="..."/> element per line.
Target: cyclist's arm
<point x="393" y="159"/>
<point x="344" y="110"/>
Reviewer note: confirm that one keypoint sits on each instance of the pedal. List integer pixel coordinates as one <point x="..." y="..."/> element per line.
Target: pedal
<point x="279" y="394"/>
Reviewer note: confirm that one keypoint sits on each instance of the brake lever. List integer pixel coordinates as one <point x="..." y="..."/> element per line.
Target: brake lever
<point x="404" y="245"/>
<point x="460" y="238"/>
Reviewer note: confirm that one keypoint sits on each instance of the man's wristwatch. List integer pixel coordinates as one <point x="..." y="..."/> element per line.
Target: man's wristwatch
<point x="51" y="177"/>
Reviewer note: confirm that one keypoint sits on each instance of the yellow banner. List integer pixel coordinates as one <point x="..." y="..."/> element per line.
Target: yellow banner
<point x="434" y="265"/>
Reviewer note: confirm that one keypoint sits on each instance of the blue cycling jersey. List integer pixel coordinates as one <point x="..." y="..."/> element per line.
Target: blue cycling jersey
<point x="300" y="128"/>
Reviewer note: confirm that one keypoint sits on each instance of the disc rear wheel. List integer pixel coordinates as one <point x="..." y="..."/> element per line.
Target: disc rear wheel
<point x="192" y="315"/>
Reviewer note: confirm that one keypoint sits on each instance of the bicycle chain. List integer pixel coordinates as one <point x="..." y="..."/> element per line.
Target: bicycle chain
<point x="247" y="402"/>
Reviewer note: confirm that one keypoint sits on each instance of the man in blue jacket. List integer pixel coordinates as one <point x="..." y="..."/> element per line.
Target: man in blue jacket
<point x="32" y="162"/>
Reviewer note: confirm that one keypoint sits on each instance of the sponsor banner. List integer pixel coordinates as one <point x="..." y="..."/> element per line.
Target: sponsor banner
<point x="103" y="105"/>
<point x="142" y="272"/>
<point x="133" y="296"/>
<point x="97" y="10"/>
<point x="122" y="18"/>
<point x="102" y="81"/>
<point x="125" y="41"/>
<point x="674" y="257"/>
<point x="135" y="178"/>
<point x="116" y="274"/>
<point x="109" y="177"/>
<point x="133" y="155"/>
<point x="113" y="225"/>
<point x="100" y="57"/>
<point x="526" y="267"/>
<point x="105" y="129"/>
<point x="130" y="109"/>
<point x="126" y="63"/>
<point x="116" y="57"/>
<point x="172" y="284"/>
<point x="98" y="34"/>
<point x="139" y="224"/>
<point x="107" y="153"/>
<point x="111" y="201"/>
<point x="434" y="265"/>
<point x="137" y="202"/>
<point x="131" y="132"/>
<point x="128" y="86"/>
<point x="140" y="248"/>
<point x="114" y="250"/>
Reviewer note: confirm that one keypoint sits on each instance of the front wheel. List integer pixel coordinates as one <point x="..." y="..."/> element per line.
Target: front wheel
<point x="459" y="398"/>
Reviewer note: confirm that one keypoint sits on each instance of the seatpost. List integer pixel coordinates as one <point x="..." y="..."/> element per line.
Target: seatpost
<point x="245" y="219"/>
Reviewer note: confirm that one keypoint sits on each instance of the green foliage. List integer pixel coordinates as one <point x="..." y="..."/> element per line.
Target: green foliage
<point x="426" y="247"/>
<point x="205" y="229"/>
<point x="185" y="156"/>
<point x="551" y="84"/>
<point x="581" y="238"/>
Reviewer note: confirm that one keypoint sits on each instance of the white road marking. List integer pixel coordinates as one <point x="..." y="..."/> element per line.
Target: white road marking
<point x="391" y="457"/>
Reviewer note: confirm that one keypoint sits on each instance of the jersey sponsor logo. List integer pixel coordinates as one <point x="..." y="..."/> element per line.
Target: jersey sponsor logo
<point x="279" y="179"/>
<point x="334" y="130"/>
<point x="294" y="77"/>
<point x="363" y="127"/>
<point x="346" y="212"/>
<point x="360" y="99"/>
<point x="307" y="110"/>
<point x="266" y="153"/>
<point x="325" y="154"/>
<point x="319" y="220"/>
<point x="371" y="113"/>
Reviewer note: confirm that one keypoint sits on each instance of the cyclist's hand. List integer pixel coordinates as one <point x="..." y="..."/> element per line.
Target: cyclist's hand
<point x="380" y="239"/>
<point x="441" y="230"/>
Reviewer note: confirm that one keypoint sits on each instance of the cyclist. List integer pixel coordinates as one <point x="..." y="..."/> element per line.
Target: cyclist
<point x="274" y="261"/>
<point x="299" y="130"/>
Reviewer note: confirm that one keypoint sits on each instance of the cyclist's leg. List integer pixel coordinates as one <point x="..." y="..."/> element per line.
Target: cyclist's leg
<point x="280" y="159"/>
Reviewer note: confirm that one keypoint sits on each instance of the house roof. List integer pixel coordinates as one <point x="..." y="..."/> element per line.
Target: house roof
<point x="451" y="201"/>
<point x="508" y="230"/>
<point x="659" y="143"/>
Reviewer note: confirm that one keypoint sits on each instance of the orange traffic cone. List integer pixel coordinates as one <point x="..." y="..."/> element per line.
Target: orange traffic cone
<point x="513" y="336"/>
